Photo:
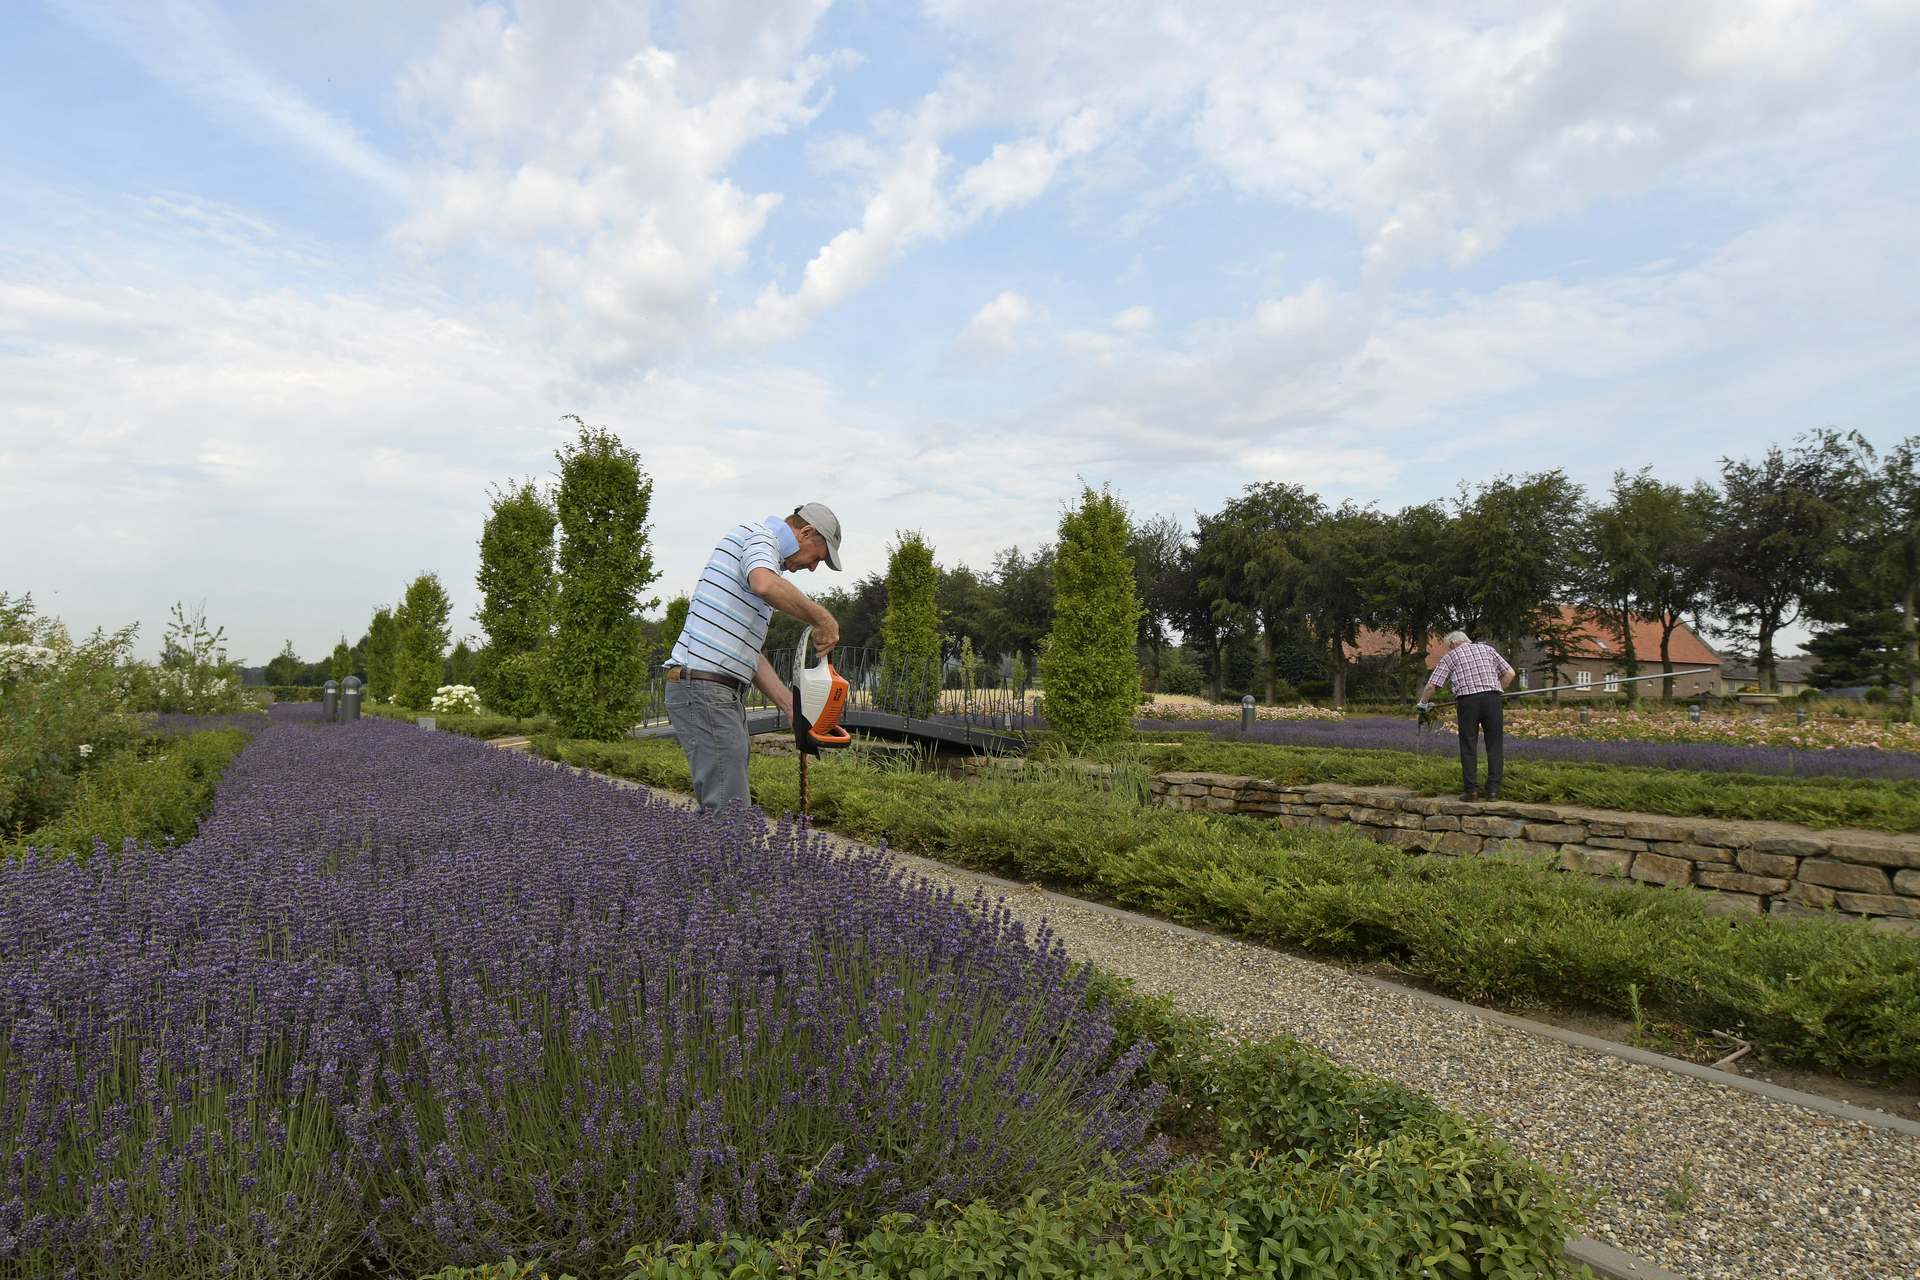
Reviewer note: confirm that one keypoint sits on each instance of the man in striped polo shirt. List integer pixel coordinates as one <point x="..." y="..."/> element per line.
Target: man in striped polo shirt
<point x="1478" y="674"/>
<point x="717" y="656"/>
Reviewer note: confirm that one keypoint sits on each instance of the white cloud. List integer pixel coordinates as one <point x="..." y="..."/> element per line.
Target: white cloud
<point x="1133" y="320"/>
<point x="999" y="325"/>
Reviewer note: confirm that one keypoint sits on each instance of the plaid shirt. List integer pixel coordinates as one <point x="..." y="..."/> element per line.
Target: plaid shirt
<point x="1473" y="668"/>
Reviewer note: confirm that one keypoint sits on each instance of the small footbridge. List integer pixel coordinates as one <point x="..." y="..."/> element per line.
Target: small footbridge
<point x="934" y="703"/>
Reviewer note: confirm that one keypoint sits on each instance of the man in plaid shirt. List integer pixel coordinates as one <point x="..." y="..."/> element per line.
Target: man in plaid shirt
<point x="1478" y="674"/>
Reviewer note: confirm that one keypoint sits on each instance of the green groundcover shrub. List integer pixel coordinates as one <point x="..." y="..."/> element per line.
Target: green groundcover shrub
<point x="157" y="790"/>
<point x="484" y="724"/>
<point x="1302" y="1169"/>
<point x="1828" y="993"/>
<point x="296" y="692"/>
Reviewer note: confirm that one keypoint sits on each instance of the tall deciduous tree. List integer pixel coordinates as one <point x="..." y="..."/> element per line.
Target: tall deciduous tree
<point x="910" y="632"/>
<point x="1088" y="669"/>
<point x="1410" y="586"/>
<point x="1511" y="550"/>
<point x="422" y="626"/>
<point x="1256" y="561"/>
<point x="1679" y="523"/>
<point x="1889" y="550"/>
<point x="1155" y="545"/>
<point x="596" y="665"/>
<point x="1331" y="596"/>
<point x="1615" y="561"/>
<point x="284" y="668"/>
<point x="1783" y="520"/>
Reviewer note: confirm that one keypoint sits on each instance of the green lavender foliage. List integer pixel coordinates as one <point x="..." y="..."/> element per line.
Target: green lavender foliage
<point x="421" y="624"/>
<point x="596" y="665"/>
<point x="910" y="630"/>
<point x="1089" y="669"/>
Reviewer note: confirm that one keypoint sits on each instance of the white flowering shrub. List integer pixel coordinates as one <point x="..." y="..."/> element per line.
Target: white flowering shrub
<point x="62" y="704"/>
<point x="194" y="676"/>
<point x="456" y="700"/>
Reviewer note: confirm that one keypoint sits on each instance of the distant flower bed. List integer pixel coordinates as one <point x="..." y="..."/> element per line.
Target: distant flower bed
<point x="405" y="999"/>
<point x="1662" y="723"/>
<point x="1386" y="733"/>
<point x="1167" y="708"/>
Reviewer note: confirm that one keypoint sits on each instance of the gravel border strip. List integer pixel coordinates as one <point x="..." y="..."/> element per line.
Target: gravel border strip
<point x="1711" y="1178"/>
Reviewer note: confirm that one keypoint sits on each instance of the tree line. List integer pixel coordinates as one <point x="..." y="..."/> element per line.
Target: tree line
<point x="1268" y="594"/>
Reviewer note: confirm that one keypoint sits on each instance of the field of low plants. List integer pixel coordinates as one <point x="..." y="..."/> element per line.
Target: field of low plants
<point x="1813" y="992"/>
<point x="404" y="1001"/>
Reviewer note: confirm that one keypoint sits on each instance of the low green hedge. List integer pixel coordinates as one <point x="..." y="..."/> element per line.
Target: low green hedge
<point x="483" y="724"/>
<point x="296" y="692"/>
<point x="155" y="791"/>
<point x="1879" y="804"/>
<point x="1831" y="993"/>
<point x="1307" y="1170"/>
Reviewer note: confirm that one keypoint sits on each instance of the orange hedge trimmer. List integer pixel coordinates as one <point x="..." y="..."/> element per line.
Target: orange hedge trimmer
<point x="819" y="700"/>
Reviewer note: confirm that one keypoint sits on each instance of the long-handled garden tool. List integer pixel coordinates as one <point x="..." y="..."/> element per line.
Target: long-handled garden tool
<point x="1430" y="712"/>
<point x="819" y="699"/>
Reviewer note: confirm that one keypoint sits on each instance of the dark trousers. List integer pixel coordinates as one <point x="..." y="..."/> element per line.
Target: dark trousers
<point x="1480" y="712"/>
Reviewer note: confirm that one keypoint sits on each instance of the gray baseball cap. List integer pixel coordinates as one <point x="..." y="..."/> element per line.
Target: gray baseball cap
<point x="821" y="517"/>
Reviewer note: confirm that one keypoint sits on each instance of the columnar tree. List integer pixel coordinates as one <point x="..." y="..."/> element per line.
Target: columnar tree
<point x="670" y="629"/>
<point x="910" y="630"/>
<point x="340" y="666"/>
<point x="460" y="664"/>
<point x="1784" y="519"/>
<point x="380" y="648"/>
<point x="597" y="662"/>
<point x="1089" y="669"/>
<point x="1888" y="554"/>
<point x="516" y="585"/>
<point x="421" y="623"/>
<point x="284" y="667"/>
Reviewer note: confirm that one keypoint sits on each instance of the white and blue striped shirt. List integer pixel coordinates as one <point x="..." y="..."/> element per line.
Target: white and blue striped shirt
<point x="726" y="620"/>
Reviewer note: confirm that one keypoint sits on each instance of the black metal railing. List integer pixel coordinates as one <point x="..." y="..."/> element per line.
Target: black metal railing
<point x="928" y="689"/>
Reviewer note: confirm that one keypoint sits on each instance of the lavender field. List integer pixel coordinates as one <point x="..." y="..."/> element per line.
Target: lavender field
<point x="407" y="1000"/>
<point x="1387" y="733"/>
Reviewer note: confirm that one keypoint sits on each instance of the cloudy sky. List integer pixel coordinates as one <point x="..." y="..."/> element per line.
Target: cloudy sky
<point x="285" y="287"/>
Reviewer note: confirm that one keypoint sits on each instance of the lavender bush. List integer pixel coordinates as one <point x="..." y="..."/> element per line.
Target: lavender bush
<point x="409" y="999"/>
<point x="1385" y="733"/>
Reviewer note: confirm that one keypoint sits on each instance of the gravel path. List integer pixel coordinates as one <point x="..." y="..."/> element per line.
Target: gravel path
<point x="1707" y="1181"/>
<point x="1710" y="1182"/>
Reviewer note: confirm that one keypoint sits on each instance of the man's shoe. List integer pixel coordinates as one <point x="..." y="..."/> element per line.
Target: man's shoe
<point x="1493" y="793"/>
<point x="1469" y="795"/>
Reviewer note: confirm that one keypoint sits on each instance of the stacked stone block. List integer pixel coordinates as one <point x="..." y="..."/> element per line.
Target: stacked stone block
<point x="1749" y="868"/>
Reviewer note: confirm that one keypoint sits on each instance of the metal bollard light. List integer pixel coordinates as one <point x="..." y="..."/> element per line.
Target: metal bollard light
<point x="1584" y="713"/>
<point x="350" y="700"/>
<point x="1693" y="712"/>
<point x="1246" y="713"/>
<point x="1800" y="715"/>
<point x="330" y="700"/>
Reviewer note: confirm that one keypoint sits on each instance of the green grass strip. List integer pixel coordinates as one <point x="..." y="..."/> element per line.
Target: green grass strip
<point x="1811" y="991"/>
<point x="1873" y="803"/>
<point x="154" y="792"/>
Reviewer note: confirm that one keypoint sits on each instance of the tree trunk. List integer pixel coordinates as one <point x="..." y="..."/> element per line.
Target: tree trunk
<point x="1627" y="653"/>
<point x="1907" y="603"/>
<point x="1266" y="662"/>
<point x="1219" y="668"/>
<point x="1666" y="658"/>
<point x="1768" y="684"/>
<point x="1339" y="676"/>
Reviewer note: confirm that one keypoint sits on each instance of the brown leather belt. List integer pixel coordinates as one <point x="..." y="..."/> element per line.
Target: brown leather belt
<point x="688" y="673"/>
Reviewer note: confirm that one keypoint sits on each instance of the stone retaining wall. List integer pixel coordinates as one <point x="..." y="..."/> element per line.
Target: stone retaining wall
<point x="1748" y="868"/>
